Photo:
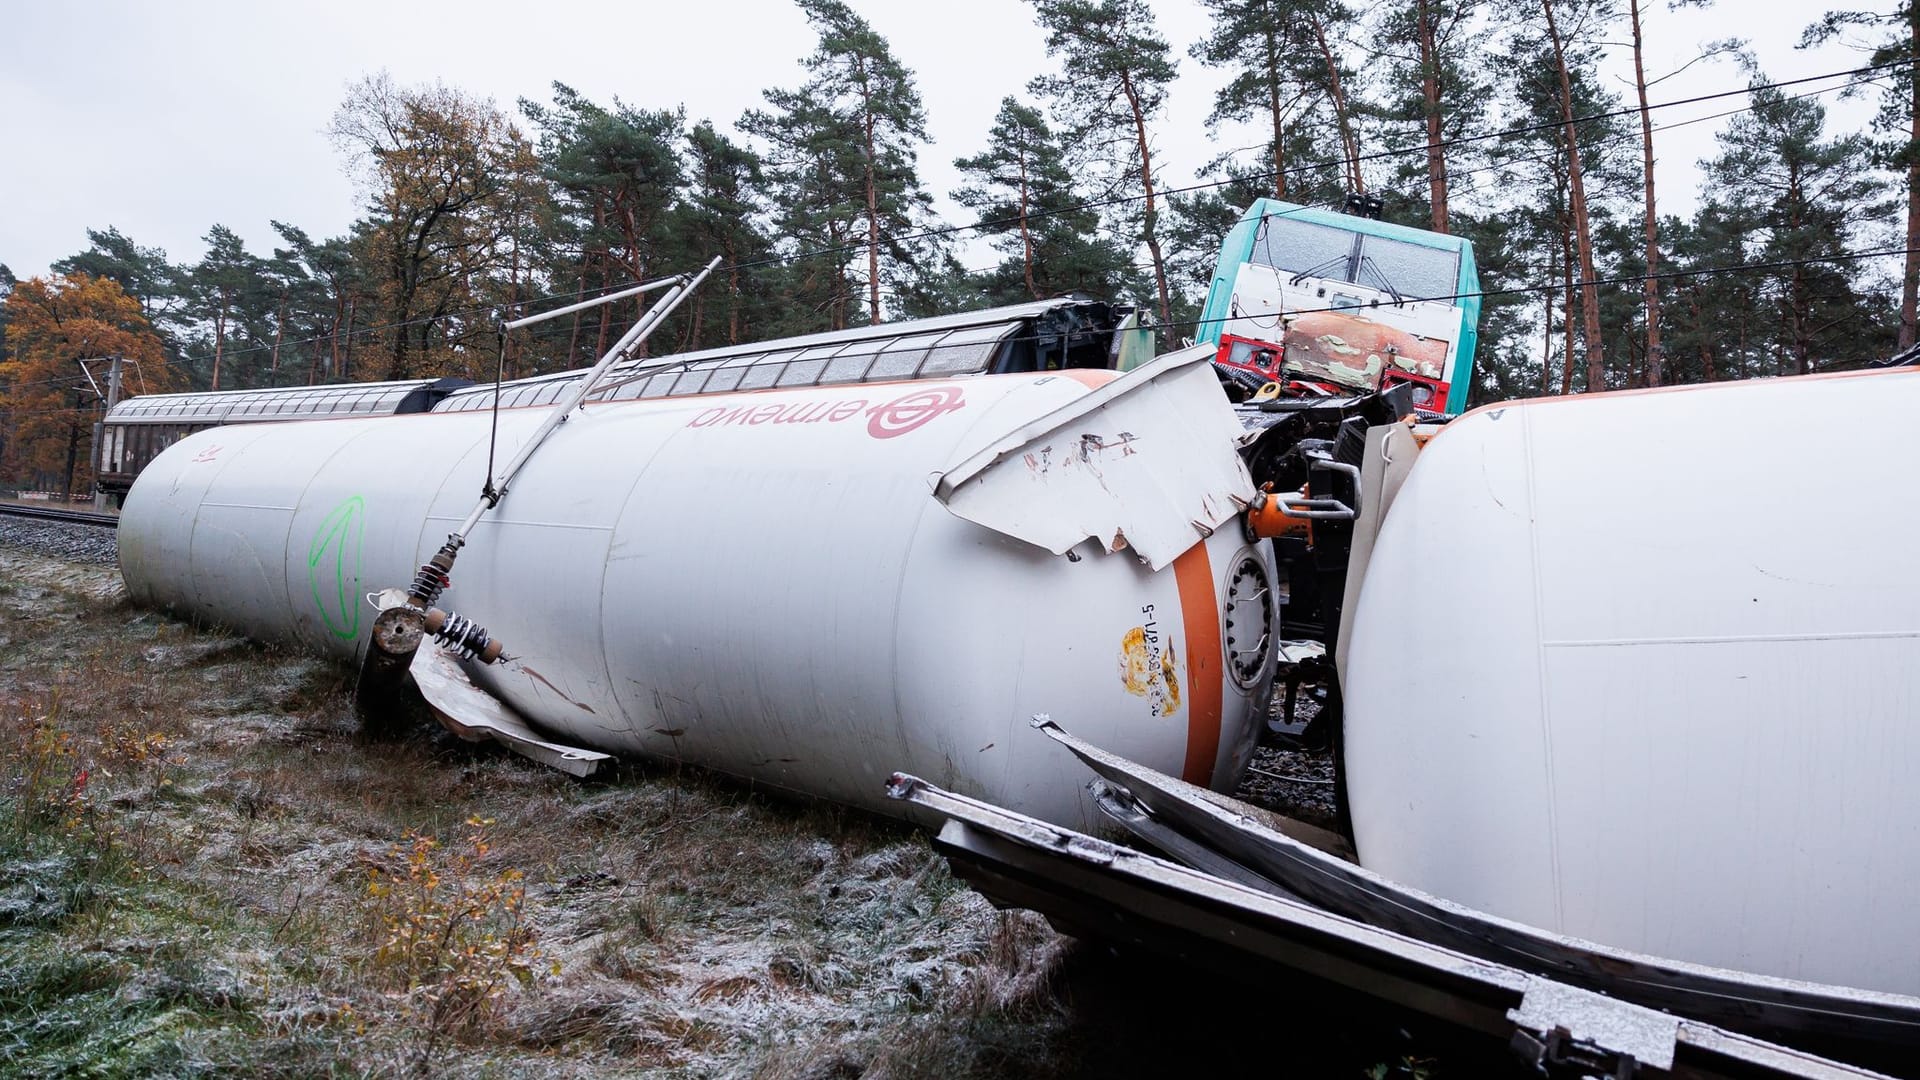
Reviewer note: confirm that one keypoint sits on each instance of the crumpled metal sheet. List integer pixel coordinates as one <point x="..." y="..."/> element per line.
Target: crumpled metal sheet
<point x="1146" y="462"/>
<point x="475" y="715"/>
<point x="1017" y="861"/>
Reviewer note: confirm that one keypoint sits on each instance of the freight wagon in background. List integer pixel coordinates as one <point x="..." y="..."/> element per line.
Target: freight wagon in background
<point x="139" y="428"/>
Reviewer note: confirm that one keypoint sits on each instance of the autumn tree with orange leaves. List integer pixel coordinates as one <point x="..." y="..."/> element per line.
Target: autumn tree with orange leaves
<point x="47" y="403"/>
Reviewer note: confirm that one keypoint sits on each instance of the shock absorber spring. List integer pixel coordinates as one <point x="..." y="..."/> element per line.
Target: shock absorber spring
<point x="464" y="637"/>
<point x="435" y="574"/>
<point x="428" y="583"/>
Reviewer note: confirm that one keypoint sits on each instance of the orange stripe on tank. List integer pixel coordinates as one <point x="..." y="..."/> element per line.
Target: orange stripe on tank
<point x="1091" y="378"/>
<point x="1200" y="615"/>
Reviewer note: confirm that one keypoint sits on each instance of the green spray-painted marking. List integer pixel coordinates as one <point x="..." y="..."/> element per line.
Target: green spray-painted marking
<point x="335" y="555"/>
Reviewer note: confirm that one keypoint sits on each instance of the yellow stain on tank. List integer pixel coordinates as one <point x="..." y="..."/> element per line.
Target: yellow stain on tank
<point x="1150" y="673"/>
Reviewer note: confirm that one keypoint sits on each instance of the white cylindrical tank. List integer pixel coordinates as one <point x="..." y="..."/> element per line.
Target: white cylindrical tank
<point x="1645" y="669"/>
<point x="760" y="583"/>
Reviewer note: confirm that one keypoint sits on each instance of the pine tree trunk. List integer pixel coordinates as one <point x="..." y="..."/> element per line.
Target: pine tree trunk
<point x="573" y="339"/>
<point x="333" y="337"/>
<point x="1566" y="310"/>
<point x="1349" y="145"/>
<point x="1026" y="236"/>
<point x="279" y="330"/>
<point x="733" y="296"/>
<point x="606" y="279"/>
<point x="219" y="340"/>
<point x="1706" y="350"/>
<point x="1546" y="337"/>
<point x="510" y="352"/>
<point x="1146" y="184"/>
<point x="842" y="293"/>
<point x="1799" y="313"/>
<point x="1799" y="321"/>
<point x="873" y="197"/>
<point x="1655" y="356"/>
<point x="1430" y="94"/>
<point x="1910" y="280"/>
<point x="1273" y="110"/>
<point x="1589" y="292"/>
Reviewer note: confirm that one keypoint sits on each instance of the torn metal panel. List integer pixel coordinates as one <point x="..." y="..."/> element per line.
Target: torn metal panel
<point x="1118" y="805"/>
<point x="1771" y="1007"/>
<point x="1145" y="462"/>
<point x="1096" y="889"/>
<point x="475" y="715"/>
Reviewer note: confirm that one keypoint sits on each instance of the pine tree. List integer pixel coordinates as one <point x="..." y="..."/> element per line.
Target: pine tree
<point x="214" y="287"/>
<point x="1800" y="198"/>
<point x="722" y="210"/>
<point x="843" y="153"/>
<point x="142" y="272"/>
<point x="1117" y="69"/>
<point x="1649" y="217"/>
<point x="1434" y="83"/>
<point x="1896" y="44"/>
<point x="338" y="286"/>
<point x="1703" y="344"/>
<point x="1289" y="80"/>
<point x="1567" y="46"/>
<point x="1026" y="199"/>
<point x="1539" y="230"/>
<point x="618" y="172"/>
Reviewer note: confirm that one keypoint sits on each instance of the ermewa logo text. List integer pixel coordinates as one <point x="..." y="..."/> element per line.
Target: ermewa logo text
<point x="908" y="412"/>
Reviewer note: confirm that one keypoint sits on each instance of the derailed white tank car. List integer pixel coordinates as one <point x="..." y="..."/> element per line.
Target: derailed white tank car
<point x="1667" y="666"/>
<point x="765" y="582"/>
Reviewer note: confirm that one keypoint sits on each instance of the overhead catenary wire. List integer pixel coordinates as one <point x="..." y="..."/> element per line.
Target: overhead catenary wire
<point x="984" y="226"/>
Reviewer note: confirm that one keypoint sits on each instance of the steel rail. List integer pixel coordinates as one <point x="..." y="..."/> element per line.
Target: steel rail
<point x="50" y="513"/>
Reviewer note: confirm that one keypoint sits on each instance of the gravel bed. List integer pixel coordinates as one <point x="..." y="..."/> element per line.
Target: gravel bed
<point x="1293" y="783"/>
<point x="60" y="540"/>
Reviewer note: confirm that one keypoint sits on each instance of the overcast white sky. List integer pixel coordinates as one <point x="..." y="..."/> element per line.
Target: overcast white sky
<point x="166" y="118"/>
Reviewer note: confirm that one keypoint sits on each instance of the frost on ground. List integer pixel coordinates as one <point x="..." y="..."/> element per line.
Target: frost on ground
<point x="206" y="869"/>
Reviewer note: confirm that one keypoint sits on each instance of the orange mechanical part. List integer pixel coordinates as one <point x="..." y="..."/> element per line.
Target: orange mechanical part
<point x="1267" y="518"/>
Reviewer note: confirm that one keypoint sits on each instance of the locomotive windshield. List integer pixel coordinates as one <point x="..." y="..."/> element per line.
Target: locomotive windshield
<point x="1410" y="270"/>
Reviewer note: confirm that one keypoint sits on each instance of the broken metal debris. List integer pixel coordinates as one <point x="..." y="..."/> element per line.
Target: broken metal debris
<point x="1090" y="887"/>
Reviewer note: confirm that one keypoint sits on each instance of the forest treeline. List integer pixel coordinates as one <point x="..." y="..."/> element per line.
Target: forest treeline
<point x="1491" y="119"/>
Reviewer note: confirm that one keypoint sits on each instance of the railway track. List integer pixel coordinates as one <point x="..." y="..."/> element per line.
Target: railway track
<point x="53" y="513"/>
